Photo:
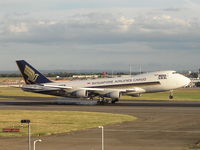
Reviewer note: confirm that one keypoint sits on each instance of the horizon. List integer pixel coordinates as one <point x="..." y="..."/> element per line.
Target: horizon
<point x="93" y="71"/>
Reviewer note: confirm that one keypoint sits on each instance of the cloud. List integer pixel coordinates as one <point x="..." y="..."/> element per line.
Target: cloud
<point x="172" y="9"/>
<point x="22" y="27"/>
<point x="120" y="35"/>
<point x="97" y="27"/>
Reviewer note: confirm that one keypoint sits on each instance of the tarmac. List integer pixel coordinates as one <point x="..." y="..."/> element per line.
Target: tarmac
<point x="161" y="125"/>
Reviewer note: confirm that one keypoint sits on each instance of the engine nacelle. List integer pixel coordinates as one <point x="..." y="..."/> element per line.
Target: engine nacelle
<point x="114" y="95"/>
<point x="80" y="93"/>
<point x="133" y="94"/>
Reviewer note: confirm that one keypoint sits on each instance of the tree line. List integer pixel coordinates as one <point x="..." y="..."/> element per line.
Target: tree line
<point x="55" y="74"/>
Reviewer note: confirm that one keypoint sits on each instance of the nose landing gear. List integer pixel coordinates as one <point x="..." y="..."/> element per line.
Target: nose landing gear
<point x="171" y="95"/>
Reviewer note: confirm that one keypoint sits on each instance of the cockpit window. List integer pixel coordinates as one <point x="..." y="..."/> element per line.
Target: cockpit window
<point x="162" y="76"/>
<point x="174" y="72"/>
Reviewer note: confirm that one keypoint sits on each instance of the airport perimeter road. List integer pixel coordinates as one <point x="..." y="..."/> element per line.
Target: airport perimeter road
<point x="160" y="126"/>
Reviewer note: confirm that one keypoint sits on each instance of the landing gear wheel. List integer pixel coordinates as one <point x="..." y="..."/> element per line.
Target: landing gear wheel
<point x="171" y="95"/>
<point x="114" y="101"/>
<point x="106" y="101"/>
<point x="102" y="101"/>
<point x="91" y="98"/>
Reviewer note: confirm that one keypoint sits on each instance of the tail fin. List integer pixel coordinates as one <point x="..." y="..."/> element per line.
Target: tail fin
<point x="30" y="74"/>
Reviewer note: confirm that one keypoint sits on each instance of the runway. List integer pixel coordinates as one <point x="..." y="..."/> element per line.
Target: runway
<point x="161" y="125"/>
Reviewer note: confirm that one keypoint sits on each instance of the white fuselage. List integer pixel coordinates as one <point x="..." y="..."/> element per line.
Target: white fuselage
<point x="144" y="83"/>
<point x="107" y="87"/>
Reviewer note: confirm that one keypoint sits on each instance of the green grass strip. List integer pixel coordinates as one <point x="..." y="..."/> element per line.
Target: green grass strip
<point x="18" y="92"/>
<point x="53" y="122"/>
<point x="179" y="94"/>
<point x="190" y="94"/>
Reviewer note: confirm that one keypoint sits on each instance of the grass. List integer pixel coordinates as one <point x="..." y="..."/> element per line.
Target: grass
<point x="195" y="147"/>
<point x="53" y="122"/>
<point x="18" y="92"/>
<point x="12" y="79"/>
<point x="179" y="94"/>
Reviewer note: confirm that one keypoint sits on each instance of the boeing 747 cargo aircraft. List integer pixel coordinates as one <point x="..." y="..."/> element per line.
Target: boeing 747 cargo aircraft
<point x="111" y="88"/>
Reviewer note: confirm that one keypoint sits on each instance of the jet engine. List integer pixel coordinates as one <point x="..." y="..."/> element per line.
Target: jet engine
<point x="80" y="93"/>
<point x="114" y="95"/>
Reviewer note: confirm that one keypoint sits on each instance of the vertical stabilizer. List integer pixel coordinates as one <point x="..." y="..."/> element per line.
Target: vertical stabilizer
<point x="30" y="74"/>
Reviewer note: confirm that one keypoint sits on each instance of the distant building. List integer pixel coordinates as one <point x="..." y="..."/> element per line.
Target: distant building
<point x="85" y="76"/>
<point x="59" y="78"/>
<point x="195" y="78"/>
<point x="194" y="75"/>
<point x="197" y="84"/>
<point x="104" y="74"/>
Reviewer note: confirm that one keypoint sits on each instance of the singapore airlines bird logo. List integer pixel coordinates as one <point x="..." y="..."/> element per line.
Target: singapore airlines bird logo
<point x="32" y="76"/>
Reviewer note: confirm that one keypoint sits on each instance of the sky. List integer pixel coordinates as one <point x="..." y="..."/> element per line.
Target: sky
<point x="100" y="34"/>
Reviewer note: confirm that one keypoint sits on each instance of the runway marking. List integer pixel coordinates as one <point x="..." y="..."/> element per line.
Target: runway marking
<point x="165" y="131"/>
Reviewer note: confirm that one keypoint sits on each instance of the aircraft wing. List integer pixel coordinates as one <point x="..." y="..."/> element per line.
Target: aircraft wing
<point x="58" y="86"/>
<point x="120" y="90"/>
<point x="38" y="88"/>
<point x="95" y="90"/>
<point x="61" y="90"/>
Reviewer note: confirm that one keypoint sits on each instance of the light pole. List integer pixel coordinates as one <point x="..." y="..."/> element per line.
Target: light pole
<point x="102" y="137"/>
<point x="130" y="69"/>
<point x="39" y="140"/>
<point x="29" y="132"/>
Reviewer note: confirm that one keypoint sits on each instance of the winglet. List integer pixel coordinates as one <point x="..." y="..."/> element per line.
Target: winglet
<point x="30" y="74"/>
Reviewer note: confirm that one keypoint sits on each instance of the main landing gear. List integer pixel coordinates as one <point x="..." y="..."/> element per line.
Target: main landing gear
<point x="113" y="101"/>
<point x="102" y="101"/>
<point x="171" y="95"/>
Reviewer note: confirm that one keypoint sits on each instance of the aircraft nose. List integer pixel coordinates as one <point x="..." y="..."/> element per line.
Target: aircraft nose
<point x="186" y="81"/>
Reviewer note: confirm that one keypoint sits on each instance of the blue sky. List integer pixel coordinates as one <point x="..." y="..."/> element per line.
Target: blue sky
<point x="94" y="34"/>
